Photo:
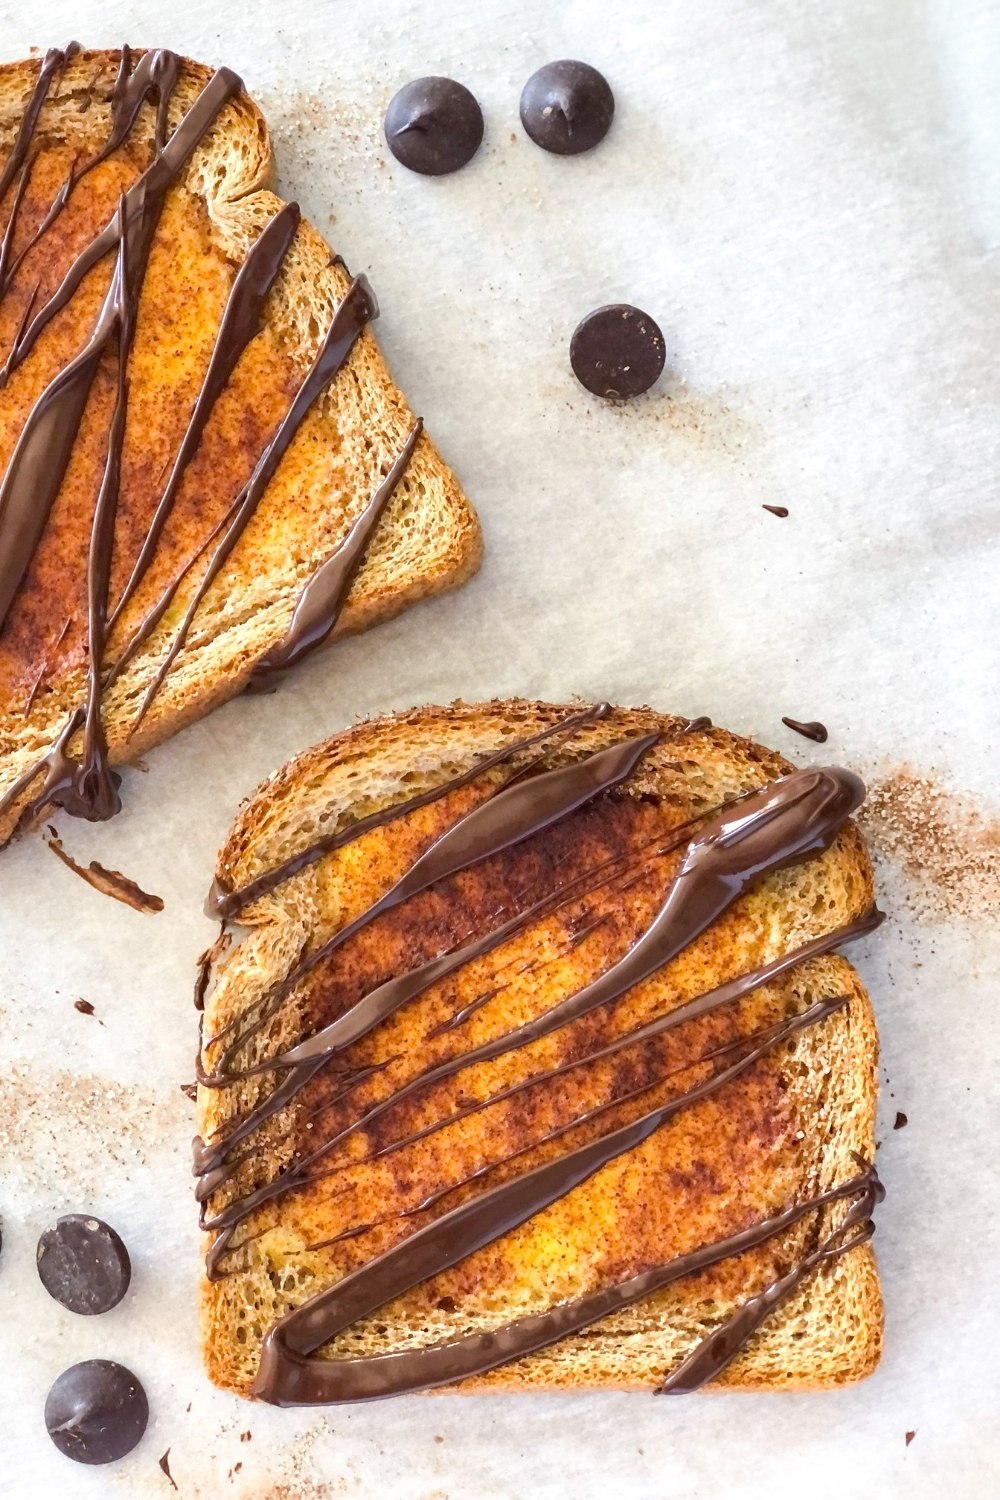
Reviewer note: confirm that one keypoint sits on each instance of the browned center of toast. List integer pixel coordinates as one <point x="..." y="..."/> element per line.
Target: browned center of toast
<point x="708" y="1174"/>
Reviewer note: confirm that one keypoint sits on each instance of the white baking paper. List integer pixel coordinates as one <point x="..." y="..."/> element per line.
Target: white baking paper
<point x="807" y="197"/>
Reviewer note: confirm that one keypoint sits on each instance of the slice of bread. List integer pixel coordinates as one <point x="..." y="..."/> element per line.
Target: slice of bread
<point x="427" y="540"/>
<point x="788" y="1129"/>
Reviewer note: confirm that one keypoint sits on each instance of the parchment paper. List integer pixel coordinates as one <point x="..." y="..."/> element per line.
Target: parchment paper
<point x="807" y="198"/>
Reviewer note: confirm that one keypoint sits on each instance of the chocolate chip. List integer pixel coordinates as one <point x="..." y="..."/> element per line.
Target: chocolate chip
<point x="900" y="1120"/>
<point x="567" y="107"/>
<point x="617" y="351"/>
<point x="433" y="126"/>
<point x="83" y="1264"/>
<point x="96" y="1412"/>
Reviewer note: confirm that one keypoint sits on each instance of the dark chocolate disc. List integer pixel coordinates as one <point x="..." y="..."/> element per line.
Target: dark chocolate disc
<point x="567" y="107"/>
<point x="83" y="1264"/>
<point x="617" y="351"/>
<point x="433" y="126"/>
<point x="96" y="1412"/>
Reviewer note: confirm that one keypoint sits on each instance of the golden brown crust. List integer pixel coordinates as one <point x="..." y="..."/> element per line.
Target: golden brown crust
<point x="728" y="1160"/>
<point x="429" y="539"/>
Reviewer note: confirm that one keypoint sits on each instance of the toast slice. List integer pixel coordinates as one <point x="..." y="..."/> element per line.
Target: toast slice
<point x="153" y="562"/>
<point x="347" y="819"/>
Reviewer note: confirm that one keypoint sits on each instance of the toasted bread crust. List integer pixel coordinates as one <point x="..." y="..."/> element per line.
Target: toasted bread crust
<point x="427" y="541"/>
<point x="723" y="1160"/>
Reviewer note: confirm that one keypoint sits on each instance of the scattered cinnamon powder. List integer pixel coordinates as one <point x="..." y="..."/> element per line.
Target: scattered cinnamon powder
<point x="69" y="1134"/>
<point x="948" y="852"/>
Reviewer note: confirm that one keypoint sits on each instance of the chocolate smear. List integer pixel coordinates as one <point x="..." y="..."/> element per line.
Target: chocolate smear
<point x="109" y="882"/>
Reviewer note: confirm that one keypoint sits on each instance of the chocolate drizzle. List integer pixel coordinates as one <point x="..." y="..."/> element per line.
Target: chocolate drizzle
<point x="52" y="63"/>
<point x="766" y="830"/>
<point x="323" y="597"/>
<point x="83" y="782"/>
<point x="709" y="1358"/>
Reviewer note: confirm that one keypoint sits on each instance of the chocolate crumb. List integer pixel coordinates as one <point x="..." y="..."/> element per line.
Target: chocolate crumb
<point x="438" y="1438"/>
<point x="165" y="1466"/>
<point x="781" y="511"/>
<point x="900" y="1121"/>
<point x="810" y="729"/>
<point x="246" y="1436"/>
<point x="188" y="1407"/>
<point x="84" y="1007"/>
<point x="910" y="1436"/>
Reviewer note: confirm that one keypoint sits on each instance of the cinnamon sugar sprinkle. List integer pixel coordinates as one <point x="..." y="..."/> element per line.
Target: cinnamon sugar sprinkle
<point x="947" y="851"/>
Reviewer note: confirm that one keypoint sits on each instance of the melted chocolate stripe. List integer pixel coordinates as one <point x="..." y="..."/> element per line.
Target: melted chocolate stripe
<point x="710" y="1357"/>
<point x="11" y="228"/>
<point x="39" y="461"/>
<point x="287" y="1376"/>
<point x="52" y="761"/>
<point x="414" y="981"/>
<point x="241" y="323"/>
<point x="53" y="62"/>
<point x="95" y="790"/>
<point x="353" y="312"/>
<point x="224" y="903"/>
<point x="323" y="597"/>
